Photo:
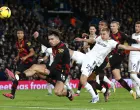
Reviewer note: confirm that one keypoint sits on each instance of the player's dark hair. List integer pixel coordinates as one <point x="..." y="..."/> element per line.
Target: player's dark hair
<point x="138" y="22"/>
<point x="56" y="33"/>
<point x="20" y="29"/>
<point x="92" y="25"/>
<point x="104" y="21"/>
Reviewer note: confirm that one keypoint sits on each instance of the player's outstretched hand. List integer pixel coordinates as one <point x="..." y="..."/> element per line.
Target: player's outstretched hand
<point x="47" y="72"/>
<point x="138" y="41"/>
<point x="78" y="39"/>
<point x="36" y="34"/>
<point x="84" y="35"/>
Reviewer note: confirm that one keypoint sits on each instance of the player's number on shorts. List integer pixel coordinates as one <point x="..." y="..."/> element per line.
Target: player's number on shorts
<point x="62" y="77"/>
<point x="134" y="66"/>
<point x="90" y="68"/>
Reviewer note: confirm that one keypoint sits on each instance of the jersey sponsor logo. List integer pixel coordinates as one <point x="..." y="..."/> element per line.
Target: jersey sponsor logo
<point x="100" y="43"/>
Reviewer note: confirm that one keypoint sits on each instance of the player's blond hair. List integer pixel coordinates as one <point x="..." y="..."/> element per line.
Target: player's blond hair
<point x="116" y="22"/>
<point x="106" y="29"/>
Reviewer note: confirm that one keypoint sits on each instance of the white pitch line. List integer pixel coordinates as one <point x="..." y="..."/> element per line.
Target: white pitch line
<point x="33" y="107"/>
<point x="46" y="108"/>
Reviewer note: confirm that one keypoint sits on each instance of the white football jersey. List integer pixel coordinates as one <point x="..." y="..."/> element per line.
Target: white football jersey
<point x="101" y="50"/>
<point x="137" y="45"/>
<point x="43" y="48"/>
<point x="94" y="39"/>
<point x="48" y="52"/>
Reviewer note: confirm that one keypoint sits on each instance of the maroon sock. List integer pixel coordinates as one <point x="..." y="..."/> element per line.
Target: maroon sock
<point x="14" y="87"/>
<point x="104" y="84"/>
<point x="79" y="86"/>
<point x="124" y="84"/>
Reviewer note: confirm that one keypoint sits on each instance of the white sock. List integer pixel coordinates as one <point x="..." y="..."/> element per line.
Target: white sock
<point x="97" y="79"/>
<point x="49" y="87"/>
<point x="78" y="92"/>
<point x="90" y="90"/>
<point x="103" y="90"/>
<point x="131" y="92"/>
<point x="135" y="78"/>
<point x="136" y="87"/>
<point x="107" y="80"/>
<point x="17" y="76"/>
<point x="68" y="86"/>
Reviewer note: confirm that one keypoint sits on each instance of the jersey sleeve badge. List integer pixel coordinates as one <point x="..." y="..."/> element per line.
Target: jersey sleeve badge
<point x="60" y="50"/>
<point x="29" y="43"/>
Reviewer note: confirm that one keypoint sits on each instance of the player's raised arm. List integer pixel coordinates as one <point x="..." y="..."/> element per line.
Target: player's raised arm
<point x="85" y="40"/>
<point x="120" y="46"/>
<point x="40" y="40"/>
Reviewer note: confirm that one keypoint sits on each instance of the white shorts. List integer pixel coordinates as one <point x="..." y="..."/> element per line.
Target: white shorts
<point x="88" y="65"/>
<point x="78" y="57"/>
<point x="134" y="64"/>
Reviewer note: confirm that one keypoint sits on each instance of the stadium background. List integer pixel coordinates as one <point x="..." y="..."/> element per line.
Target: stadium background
<point x="71" y="17"/>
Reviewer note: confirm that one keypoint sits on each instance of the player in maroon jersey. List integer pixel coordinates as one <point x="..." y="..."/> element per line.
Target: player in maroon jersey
<point x="60" y="67"/>
<point x="117" y="56"/>
<point x="25" y="59"/>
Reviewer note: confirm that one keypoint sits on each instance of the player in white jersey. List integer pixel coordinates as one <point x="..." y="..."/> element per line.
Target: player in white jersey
<point x="48" y="53"/>
<point x="134" y="60"/>
<point x="103" y="80"/>
<point x="77" y="56"/>
<point x="95" y="57"/>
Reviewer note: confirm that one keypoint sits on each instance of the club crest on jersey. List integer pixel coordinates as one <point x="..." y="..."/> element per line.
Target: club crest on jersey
<point x="29" y="43"/>
<point x="117" y="37"/>
<point x="60" y="50"/>
<point x="20" y="45"/>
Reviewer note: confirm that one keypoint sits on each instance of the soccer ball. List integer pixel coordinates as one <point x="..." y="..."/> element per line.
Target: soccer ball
<point x="5" y="12"/>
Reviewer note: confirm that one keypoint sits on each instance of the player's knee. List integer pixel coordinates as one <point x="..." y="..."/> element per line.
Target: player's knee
<point x="33" y="66"/>
<point x="117" y="78"/>
<point x="83" y="80"/>
<point x="57" y="92"/>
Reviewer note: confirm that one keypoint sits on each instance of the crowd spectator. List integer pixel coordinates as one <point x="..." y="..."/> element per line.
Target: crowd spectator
<point x="36" y="17"/>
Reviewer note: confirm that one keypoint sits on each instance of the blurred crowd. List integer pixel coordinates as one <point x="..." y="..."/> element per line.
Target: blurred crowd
<point x="32" y="15"/>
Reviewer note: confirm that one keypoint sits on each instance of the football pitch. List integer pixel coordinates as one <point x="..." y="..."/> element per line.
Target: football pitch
<point x="39" y="100"/>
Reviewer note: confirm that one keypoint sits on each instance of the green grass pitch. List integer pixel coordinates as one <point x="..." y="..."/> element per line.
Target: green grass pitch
<point x="39" y="100"/>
